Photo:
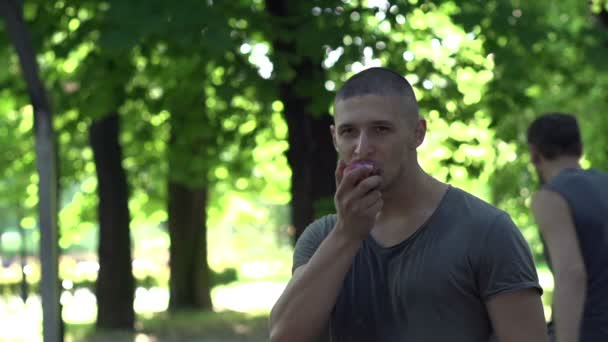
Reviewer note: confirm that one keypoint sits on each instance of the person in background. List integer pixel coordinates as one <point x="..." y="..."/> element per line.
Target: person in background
<point x="571" y="210"/>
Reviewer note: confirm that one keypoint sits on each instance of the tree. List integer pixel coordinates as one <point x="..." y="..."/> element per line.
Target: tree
<point x="316" y="47"/>
<point x="547" y="58"/>
<point x="191" y="72"/>
<point x="300" y="79"/>
<point x="115" y="284"/>
<point x="84" y="103"/>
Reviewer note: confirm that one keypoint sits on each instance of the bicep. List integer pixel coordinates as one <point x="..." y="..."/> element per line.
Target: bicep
<point x="517" y="316"/>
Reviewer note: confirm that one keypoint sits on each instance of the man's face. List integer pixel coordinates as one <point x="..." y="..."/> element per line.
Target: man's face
<point x="378" y="129"/>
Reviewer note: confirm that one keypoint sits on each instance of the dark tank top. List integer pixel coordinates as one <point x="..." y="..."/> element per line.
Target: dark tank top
<point x="586" y="192"/>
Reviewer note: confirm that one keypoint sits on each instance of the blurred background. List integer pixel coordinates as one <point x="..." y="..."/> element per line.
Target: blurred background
<point x="190" y="143"/>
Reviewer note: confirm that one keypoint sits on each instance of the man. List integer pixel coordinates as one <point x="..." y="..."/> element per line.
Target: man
<point x="406" y="257"/>
<point x="571" y="210"/>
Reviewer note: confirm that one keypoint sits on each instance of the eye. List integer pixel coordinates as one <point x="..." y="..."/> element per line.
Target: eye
<point x="347" y="131"/>
<point x="382" y="129"/>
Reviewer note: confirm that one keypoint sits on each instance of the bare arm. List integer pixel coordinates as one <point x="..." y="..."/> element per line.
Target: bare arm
<point x="554" y="219"/>
<point x="304" y="308"/>
<point x="518" y="316"/>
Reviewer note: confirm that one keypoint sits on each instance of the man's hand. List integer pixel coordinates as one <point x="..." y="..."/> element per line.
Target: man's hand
<point x="358" y="200"/>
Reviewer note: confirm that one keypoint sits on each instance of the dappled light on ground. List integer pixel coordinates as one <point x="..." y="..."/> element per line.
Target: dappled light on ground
<point x="20" y="321"/>
<point x="23" y="322"/>
<point x="250" y="297"/>
<point x="144" y="338"/>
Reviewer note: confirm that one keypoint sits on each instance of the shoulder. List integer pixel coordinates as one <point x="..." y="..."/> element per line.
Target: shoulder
<point x="322" y="226"/>
<point x="311" y="238"/>
<point x="551" y="212"/>
<point x="317" y="231"/>
<point x="484" y="224"/>
<point x="471" y="209"/>
<point x="572" y="178"/>
<point x="546" y="200"/>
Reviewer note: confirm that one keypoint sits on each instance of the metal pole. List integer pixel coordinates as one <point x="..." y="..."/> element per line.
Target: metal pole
<point x="47" y="194"/>
<point x="23" y="256"/>
<point x="18" y="34"/>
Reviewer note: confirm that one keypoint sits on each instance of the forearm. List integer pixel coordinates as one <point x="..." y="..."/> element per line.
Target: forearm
<point x="303" y="310"/>
<point x="569" y="302"/>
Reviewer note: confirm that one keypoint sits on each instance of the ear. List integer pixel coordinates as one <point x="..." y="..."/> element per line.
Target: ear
<point x="420" y="131"/>
<point x="535" y="155"/>
<point x="332" y="129"/>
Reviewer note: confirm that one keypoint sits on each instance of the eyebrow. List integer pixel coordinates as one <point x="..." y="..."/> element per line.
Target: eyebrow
<point x="371" y="123"/>
<point x="381" y="123"/>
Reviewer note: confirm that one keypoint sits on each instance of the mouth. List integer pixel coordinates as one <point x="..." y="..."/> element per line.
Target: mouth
<point x="375" y="169"/>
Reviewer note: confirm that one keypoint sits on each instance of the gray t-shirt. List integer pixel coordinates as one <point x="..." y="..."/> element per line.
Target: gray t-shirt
<point x="433" y="285"/>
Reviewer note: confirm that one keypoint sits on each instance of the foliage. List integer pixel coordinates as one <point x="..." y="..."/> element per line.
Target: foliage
<point x="196" y="88"/>
<point x="547" y="58"/>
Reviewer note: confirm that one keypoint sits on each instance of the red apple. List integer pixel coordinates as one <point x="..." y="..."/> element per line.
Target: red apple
<point x="357" y="164"/>
<point x="372" y="169"/>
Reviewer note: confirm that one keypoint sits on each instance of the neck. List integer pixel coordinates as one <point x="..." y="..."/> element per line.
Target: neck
<point x="411" y="190"/>
<point x="555" y="167"/>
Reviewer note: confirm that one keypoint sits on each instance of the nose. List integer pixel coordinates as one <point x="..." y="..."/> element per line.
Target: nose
<point x="363" y="147"/>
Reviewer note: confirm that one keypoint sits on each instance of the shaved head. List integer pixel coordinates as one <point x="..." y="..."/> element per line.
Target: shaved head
<point x="380" y="82"/>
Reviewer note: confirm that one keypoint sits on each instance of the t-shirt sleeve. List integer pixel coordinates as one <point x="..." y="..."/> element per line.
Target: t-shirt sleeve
<point x="310" y="240"/>
<point x="506" y="263"/>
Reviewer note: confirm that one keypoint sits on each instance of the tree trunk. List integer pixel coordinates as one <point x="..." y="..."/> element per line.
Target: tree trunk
<point x="115" y="282"/>
<point x="189" y="281"/>
<point x="311" y="157"/>
<point x="311" y="154"/>
<point x="603" y="17"/>
<point x="46" y="156"/>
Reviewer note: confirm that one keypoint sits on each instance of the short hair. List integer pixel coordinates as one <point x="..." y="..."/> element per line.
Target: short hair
<point x="378" y="81"/>
<point x="555" y="135"/>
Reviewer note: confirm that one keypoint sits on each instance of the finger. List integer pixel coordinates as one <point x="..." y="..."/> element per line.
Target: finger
<point x="350" y="179"/>
<point x="366" y="185"/>
<point x="369" y="199"/>
<point x="372" y="209"/>
<point x="375" y="207"/>
<point x="340" y="171"/>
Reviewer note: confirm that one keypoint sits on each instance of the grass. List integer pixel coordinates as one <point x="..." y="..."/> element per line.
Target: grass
<point x="224" y="326"/>
<point x="241" y="311"/>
